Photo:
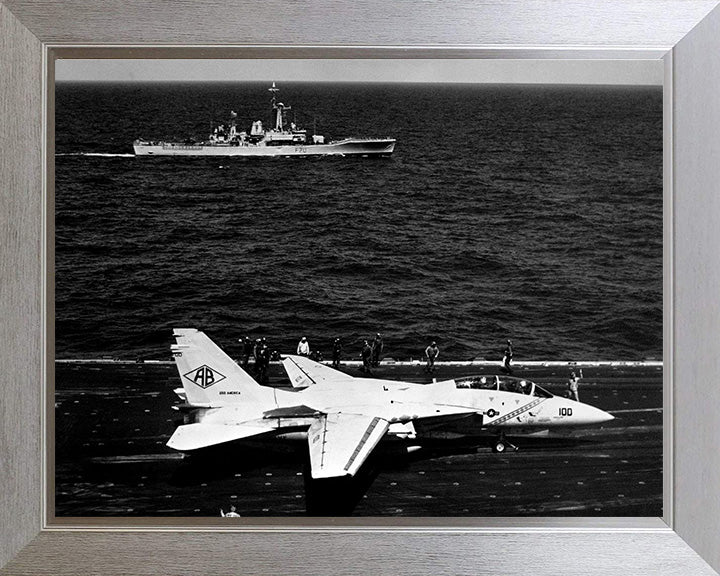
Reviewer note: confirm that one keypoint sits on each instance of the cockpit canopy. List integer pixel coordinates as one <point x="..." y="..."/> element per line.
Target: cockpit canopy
<point x="502" y="384"/>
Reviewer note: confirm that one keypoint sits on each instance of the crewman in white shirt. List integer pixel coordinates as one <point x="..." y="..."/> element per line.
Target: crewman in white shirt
<point x="303" y="347"/>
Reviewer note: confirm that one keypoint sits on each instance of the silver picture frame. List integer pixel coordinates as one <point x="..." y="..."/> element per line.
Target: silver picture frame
<point x="685" y="35"/>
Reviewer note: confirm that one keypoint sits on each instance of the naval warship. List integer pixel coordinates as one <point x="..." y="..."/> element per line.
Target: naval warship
<point x="284" y="139"/>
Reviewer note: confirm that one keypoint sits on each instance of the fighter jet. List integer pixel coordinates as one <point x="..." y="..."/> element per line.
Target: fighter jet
<point x="343" y="418"/>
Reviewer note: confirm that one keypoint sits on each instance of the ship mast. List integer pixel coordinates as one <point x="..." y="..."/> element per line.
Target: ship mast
<point x="279" y="107"/>
<point x="278" y="112"/>
<point x="274" y="91"/>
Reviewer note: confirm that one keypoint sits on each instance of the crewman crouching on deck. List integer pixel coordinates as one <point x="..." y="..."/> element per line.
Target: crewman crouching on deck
<point x="303" y="347"/>
<point x="231" y="514"/>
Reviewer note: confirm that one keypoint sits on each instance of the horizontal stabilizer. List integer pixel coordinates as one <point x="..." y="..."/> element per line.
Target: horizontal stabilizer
<point x="191" y="437"/>
<point x="185" y="407"/>
<point x="304" y="372"/>
<point x="339" y="443"/>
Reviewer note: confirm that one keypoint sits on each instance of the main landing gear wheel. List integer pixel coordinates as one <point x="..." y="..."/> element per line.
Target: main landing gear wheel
<point x="501" y="445"/>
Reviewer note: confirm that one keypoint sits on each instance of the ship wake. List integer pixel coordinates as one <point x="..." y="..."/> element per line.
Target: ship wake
<point x="100" y="154"/>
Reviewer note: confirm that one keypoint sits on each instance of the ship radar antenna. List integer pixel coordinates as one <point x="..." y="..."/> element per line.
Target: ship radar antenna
<point x="274" y="91"/>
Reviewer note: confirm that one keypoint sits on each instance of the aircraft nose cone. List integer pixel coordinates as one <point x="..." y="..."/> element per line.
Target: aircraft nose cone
<point x="607" y="417"/>
<point x="597" y="416"/>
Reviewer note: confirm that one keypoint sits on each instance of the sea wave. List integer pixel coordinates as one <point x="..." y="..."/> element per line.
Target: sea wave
<point x="539" y="220"/>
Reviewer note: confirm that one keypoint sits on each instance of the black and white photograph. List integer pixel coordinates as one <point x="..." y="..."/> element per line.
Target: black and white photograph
<point x="289" y="288"/>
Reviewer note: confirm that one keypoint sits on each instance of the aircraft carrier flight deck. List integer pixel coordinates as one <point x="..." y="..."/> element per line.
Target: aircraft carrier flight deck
<point x="112" y="420"/>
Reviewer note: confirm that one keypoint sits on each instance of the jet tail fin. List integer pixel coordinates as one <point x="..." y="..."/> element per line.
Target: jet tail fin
<point x="304" y="372"/>
<point x="209" y="376"/>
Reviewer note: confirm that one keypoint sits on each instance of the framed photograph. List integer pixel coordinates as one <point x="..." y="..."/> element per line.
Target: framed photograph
<point x="102" y="277"/>
<point x="333" y="256"/>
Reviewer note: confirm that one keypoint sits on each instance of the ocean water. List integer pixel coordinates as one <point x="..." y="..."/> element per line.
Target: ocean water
<point x="524" y="212"/>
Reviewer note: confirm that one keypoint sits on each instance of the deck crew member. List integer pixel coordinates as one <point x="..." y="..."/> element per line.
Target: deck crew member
<point x="431" y="354"/>
<point x="247" y="350"/>
<point x="303" y="347"/>
<point x="231" y="514"/>
<point x="262" y="363"/>
<point x="573" y="386"/>
<point x="377" y="348"/>
<point x="337" y="350"/>
<point x="366" y="355"/>
<point x="507" y="357"/>
<point x="255" y="351"/>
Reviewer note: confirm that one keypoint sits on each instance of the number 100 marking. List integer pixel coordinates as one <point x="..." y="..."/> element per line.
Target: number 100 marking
<point x="565" y="411"/>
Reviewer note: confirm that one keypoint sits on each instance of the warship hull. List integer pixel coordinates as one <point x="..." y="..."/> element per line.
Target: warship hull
<point x="347" y="147"/>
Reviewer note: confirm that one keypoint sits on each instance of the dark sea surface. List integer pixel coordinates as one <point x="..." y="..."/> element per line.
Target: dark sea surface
<point x="524" y="212"/>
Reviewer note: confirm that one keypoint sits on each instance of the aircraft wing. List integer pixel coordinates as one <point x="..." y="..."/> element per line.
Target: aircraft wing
<point x="193" y="436"/>
<point x="304" y="372"/>
<point x="340" y="443"/>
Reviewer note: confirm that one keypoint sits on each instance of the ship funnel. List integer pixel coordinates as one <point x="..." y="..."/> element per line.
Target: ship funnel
<point x="257" y="128"/>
